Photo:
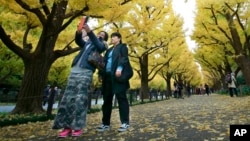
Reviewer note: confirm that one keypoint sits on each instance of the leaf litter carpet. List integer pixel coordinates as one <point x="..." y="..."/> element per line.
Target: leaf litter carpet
<point x="197" y="118"/>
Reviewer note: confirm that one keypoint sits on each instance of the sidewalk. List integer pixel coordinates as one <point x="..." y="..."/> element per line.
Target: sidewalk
<point x="9" y="108"/>
<point x="198" y="118"/>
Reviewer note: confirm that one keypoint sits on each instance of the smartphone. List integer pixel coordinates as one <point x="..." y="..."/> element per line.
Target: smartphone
<point x="83" y="21"/>
<point x="86" y="19"/>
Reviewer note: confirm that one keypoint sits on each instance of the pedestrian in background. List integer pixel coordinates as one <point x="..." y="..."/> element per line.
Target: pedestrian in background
<point x="46" y="92"/>
<point x="232" y="86"/>
<point x="207" y="89"/>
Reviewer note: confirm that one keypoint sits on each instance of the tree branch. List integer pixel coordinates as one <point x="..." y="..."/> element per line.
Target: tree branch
<point x="125" y="1"/>
<point x="10" y="44"/>
<point x="73" y="15"/>
<point x="36" y="11"/>
<point x="156" y="70"/>
<point x="65" y="52"/>
<point x="27" y="47"/>
<point x="45" y="7"/>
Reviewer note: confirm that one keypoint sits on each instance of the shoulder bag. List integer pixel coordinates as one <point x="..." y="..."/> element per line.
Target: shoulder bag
<point x="127" y="71"/>
<point x="96" y="60"/>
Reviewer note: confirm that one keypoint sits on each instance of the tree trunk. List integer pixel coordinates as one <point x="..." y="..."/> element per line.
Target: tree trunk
<point x="31" y="91"/>
<point x="244" y="63"/>
<point x="241" y="49"/>
<point x="144" y="89"/>
<point x="144" y="77"/>
<point x="168" y="92"/>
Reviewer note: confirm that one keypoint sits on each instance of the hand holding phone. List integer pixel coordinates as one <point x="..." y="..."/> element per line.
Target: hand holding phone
<point x="83" y="21"/>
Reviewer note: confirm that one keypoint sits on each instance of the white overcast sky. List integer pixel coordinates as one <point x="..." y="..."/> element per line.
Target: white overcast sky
<point x="187" y="11"/>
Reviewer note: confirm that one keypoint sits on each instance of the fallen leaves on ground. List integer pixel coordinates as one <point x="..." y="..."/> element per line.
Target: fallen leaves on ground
<point x="199" y="117"/>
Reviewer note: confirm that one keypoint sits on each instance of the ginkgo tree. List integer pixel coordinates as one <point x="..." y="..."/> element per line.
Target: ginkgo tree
<point x="32" y="29"/>
<point x="182" y="67"/>
<point x="174" y="52"/>
<point x="225" y="24"/>
<point x="214" y="60"/>
<point x="149" y="28"/>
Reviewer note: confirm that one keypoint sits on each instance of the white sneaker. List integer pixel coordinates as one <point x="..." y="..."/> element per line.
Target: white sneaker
<point x="124" y="127"/>
<point x="103" y="128"/>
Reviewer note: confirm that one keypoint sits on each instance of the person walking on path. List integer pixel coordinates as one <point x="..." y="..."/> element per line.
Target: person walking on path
<point x="188" y="90"/>
<point x="232" y="86"/>
<point x="115" y="58"/>
<point x="46" y="92"/>
<point x="180" y="88"/>
<point x="72" y="112"/>
<point x="207" y="89"/>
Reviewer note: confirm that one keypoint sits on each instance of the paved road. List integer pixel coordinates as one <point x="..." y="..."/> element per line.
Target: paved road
<point x="198" y="118"/>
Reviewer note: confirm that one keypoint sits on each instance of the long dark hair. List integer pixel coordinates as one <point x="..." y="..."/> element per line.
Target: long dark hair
<point x="106" y="35"/>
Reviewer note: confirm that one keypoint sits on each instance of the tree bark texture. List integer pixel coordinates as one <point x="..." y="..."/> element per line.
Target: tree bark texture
<point x="31" y="91"/>
<point x="144" y="77"/>
<point x="241" y="49"/>
<point x="244" y="63"/>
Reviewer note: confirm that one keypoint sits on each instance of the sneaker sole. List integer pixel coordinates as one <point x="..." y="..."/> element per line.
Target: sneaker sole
<point x="122" y="130"/>
<point x="64" y="136"/>
<point x="76" y="135"/>
<point x="102" y="130"/>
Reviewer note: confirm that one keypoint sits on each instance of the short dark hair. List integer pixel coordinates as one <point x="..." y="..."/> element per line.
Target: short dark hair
<point x="106" y="35"/>
<point x="117" y="34"/>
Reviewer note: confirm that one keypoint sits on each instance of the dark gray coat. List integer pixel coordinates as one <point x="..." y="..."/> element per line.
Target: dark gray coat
<point x="119" y="58"/>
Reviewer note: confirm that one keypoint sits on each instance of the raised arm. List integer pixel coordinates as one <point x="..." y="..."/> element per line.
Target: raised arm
<point x="98" y="43"/>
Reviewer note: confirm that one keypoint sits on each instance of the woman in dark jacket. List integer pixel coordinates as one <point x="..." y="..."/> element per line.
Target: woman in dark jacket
<point x="115" y="59"/>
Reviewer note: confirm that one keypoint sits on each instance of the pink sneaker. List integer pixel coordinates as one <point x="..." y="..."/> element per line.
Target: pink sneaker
<point x="77" y="133"/>
<point x="64" y="133"/>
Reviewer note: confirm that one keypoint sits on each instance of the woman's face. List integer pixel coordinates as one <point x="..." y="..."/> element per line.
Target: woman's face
<point x="115" y="40"/>
<point x="101" y="35"/>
